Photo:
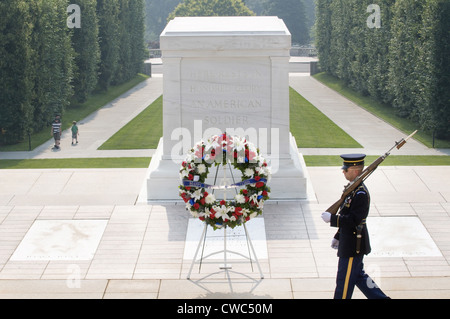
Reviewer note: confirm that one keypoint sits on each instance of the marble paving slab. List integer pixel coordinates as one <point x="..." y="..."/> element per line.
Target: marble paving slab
<point x="400" y="237"/>
<point x="61" y="240"/>
<point x="236" y="240"/>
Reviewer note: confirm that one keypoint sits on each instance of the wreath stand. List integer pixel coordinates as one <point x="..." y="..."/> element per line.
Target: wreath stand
<point x="225" y="266"/>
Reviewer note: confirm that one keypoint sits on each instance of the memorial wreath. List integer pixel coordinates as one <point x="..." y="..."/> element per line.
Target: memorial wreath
<point x="224" y="150"/>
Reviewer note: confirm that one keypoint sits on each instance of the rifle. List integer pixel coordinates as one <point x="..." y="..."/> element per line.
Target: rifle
<point x="333" y="209"/>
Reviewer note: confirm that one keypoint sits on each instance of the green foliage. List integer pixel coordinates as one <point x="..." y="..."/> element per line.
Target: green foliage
<point x="156" y="13"/>
<point x="44" y="63"/>
<point x="54" y="61"/>
<point x="293" y="13"/>
<point x="121" y="30"/>
<point x="405" y="63"/>
<point x="193" y="8"/>
<point x="16" y="69"/>
<point x="108" y="14"/>
<point x="87" y="50"/>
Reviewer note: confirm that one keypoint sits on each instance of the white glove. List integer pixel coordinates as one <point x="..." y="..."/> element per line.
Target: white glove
<point x="326" y="216"/>
<point x="335" y="243"/>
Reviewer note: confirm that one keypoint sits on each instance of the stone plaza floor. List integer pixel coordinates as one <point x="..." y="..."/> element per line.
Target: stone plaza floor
<point x="81" y="233"/>
<point x="137" y="251"/>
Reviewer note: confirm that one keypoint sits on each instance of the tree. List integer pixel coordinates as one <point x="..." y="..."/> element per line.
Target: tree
<point x="193" y="8"/>
<point x="108" y="15"/>
<point x="16" y="69"/>
<point x="157" y="12"/>
<point x="137" y="29"/>
<point x="432" y="91"/>
<point x="85" y="42"/>
<point x="131" y="34"/>
<point x="405" y="41"/>
<point x="323" y="35"/>
<point x="403" y="63"/>
<point x="293" y="13"/>
<point x="54" y="61"/>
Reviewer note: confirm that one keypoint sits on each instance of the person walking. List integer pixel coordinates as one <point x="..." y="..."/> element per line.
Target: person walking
<point x="56" y="132"/>
<point x="75" y="133"/>
<point x="352" y="238"/>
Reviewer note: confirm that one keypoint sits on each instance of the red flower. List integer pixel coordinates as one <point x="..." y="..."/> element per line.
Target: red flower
<point x="265" y="194"/>
<point x="238" y="211"/>
<point x="257" y="178"/>
<point x="259" y="184"/>
<point x="191" y="177"/>
<point x="222" y="202"/>
<point x="244" y="191"/>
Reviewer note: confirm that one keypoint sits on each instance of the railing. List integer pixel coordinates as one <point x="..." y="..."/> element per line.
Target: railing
<point x="295" y="51"/>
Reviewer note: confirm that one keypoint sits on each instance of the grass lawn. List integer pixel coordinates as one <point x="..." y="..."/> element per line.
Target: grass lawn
<point x="143" y="132"/>
<point x="395" y="160"/>
<point x="312" y="129"/>
<point x="122" y="162"/>
<point x="380" y="110"/>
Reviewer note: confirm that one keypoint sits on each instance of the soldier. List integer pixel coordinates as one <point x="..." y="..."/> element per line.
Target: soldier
<point x="352" y="237"/>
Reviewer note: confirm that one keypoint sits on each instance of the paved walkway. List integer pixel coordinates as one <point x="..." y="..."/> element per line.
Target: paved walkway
<point x="98" y="127"/>
<point x="140" y="253"/>
<point x="375" y="135"/>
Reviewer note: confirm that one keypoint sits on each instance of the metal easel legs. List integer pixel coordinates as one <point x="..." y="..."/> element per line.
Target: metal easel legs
<point x="225" y="265"/>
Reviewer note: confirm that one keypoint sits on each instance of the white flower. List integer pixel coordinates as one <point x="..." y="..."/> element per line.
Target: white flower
<point x="245" y="212"/>
<point x="201" y="168"/>
<point x="197" y="195"/>
<point x="207" y="213"/>
<point x="210" y="199"/>
<point x="249" y="172"/>
<point x="222" y="211"/>
<point x="184" y="173"/>
<point x="194" y="213"/>
<point x="240" y="198"/>
<point x="253" y="215"/>
<point x="238" y="143"/>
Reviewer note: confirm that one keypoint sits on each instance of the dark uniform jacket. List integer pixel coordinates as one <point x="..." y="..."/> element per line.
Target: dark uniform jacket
<point x="353" y="212"/>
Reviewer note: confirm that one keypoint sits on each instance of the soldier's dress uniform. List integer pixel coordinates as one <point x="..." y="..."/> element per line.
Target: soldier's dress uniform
<point x="353" y="238"/>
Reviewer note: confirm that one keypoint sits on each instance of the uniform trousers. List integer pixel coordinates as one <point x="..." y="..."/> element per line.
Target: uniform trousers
<point x="350" y="274"/>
